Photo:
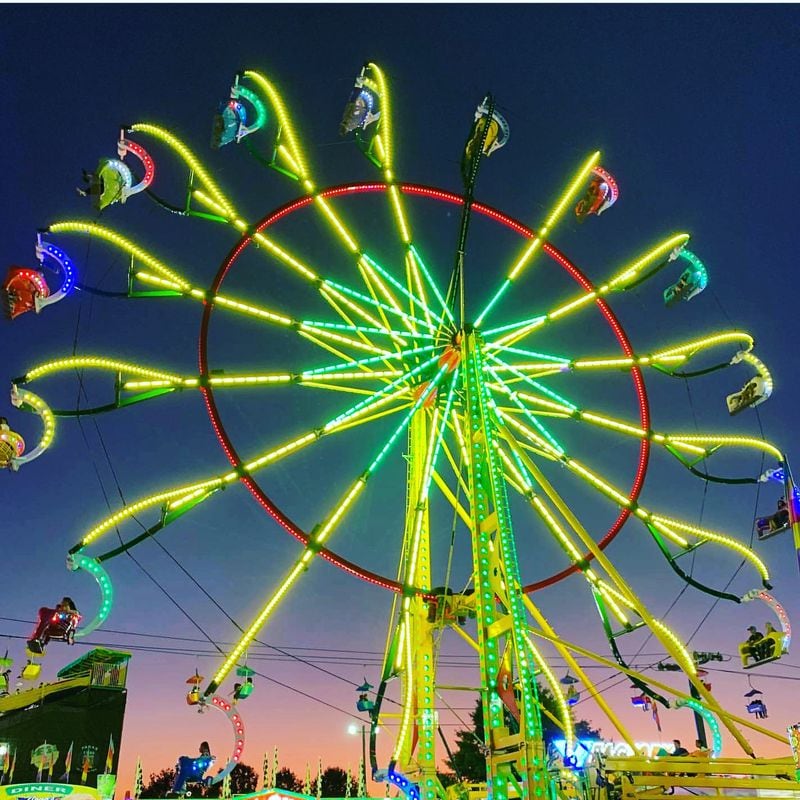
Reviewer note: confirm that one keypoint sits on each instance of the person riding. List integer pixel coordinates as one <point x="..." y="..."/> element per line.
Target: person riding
<point x="58" y="622"/>
<point x="190" y="769"/>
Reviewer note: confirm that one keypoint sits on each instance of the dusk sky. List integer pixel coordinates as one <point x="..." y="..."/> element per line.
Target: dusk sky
<point x="694" y="110"/>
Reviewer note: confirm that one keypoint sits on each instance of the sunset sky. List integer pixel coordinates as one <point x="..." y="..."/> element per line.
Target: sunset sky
<point x="693" y="109"/>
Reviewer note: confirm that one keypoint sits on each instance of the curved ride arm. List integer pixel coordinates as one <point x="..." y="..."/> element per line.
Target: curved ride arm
<point x="160" y="382"/>
<point x="125" y="146"/>
<point x="92" y="566"/>
<point x="698" y="275"/>
<point x="655" y="533"/>
<point x="239" y="92"/>
<point x="711" y="720"/>
<point x="211" y="195"/>
<point x="613" y="188"/>
<point x="45" y="250"/>
<point x="22" y="398"/>
<point x="235" y="718"/>
<point x="780" y="612"/>
<point x="612" y="642"/>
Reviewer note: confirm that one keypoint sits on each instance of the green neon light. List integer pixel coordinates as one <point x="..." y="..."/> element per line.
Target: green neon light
<point x="399" y="286"/>
<point x="258" y="105"/>
<point x="500" y="292"/>
<point x="711" y="720"/>
<point x="341" y="326"/>
<point x="532" y="321"/>
<point x="93" y="567"/>
<point x="375" y="397"/>
<point x="406" y="421"/>
<point x="528" y="353"/>
<point x="538" y="386"/>
<point x="432" y="283"/>
<point x="377" y="304"/>
<point x="348" y="365"/>
<point x="512" y="395"/>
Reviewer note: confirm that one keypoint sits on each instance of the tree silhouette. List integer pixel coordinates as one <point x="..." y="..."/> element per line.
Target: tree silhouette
<point x="160" y="783"/>
<point x="243" y="781"/>
<point x="286" y="779"/>
<point x="469" y="763"/>
<point x="334" y="783"/>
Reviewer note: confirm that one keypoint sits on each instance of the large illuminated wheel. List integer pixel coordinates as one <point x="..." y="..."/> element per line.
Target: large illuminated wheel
<point x="413" y="400"/>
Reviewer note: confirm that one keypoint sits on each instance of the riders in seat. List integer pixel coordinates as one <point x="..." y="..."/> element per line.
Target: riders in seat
<point x="191" y="770"/>
<point x="59" y="623"/>
<point x="775" y="522"/>
<point x="596" y="194"/>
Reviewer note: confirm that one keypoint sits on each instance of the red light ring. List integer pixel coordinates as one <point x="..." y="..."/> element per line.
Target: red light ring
<point x="437" y="194"/>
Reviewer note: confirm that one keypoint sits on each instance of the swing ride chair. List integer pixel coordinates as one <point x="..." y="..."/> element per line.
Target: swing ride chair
<point x="61" y="627"/>
<point x="189" y="776"/>
<point x="465" y="403"/>
<point x="768" y="648"/>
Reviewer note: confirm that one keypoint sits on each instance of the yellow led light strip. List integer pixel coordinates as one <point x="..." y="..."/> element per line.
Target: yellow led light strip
<point x="542" y="445"/>
<point x="627" y="273"/>
<point x="550" y="635"/>
<point x="570" y="193"/>
<point x="552" y="523"/>
<point x="318" y="537"/>
<point x="711" y="536"/>
<point x="415" y="284"/>
<point x="333" y="387"/>
<point x="97" y="362"/>
<point x="725" y="441"/>
<point x="631" y="272"/>
<point x="106" y="234"/>
<point x="268" y="458"/>
<point x="191" y="160"/>
<point x="689" y="349"/>
<point x="520" y="482"/>
<point x="667" y="531"/>
<point x="571" y="646"/>
<point x="451" y="458"/>
<point x="284" y="120"/>
<point x="337" y="224"/>
<point x="386" y="133"/>
<point x="564" y="712"/>
<point x="451" y="498"/>
<point x="373" y="281"/>
<point x="279" y="379"/>
<point x="147" y="502"/>
<point x="659" y="629"/>
<point x="611" y="598"/>
<point x="24" y="397"/>
<point x="270" y="316"/>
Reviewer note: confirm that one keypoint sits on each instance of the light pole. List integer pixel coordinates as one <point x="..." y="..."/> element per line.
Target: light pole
<point x="352" y="729"/>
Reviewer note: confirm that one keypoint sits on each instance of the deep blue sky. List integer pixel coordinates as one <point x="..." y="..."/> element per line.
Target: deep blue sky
<point x="694" y="110"/>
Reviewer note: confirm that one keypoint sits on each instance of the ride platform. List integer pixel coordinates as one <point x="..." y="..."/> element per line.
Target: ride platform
<point x="638" y="778"/>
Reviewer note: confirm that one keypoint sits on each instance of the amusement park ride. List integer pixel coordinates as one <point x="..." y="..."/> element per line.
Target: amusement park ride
<point x="478" y="406"/>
